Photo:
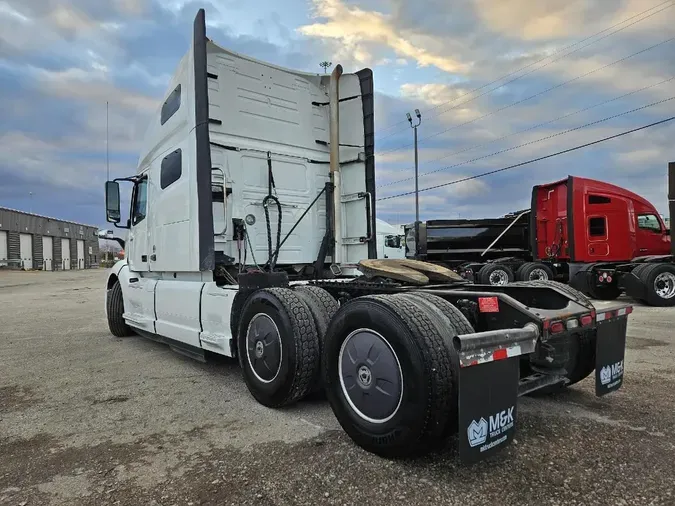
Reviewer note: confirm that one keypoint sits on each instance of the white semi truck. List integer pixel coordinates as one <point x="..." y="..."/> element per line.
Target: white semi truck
<point x="252" y="217"/>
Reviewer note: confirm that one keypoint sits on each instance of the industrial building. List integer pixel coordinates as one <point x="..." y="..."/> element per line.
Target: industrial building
<point x="33" y="242"/>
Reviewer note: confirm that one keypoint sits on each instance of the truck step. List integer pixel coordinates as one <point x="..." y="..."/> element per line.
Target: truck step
<point x="536" y="381"/>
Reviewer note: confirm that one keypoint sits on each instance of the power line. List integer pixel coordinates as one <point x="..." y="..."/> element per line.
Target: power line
<point x="536" y="126"/>
<point x="477" y="176"/>
<point x="538" y="61"/>
<point x="535" y="95"/>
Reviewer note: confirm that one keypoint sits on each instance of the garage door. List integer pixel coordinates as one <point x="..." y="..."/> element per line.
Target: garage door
<point x="47" y="253"/>
<point x="26" y="251"/>
<point x="65" y="253"/>
<point x="80" y="254"/>
<point x="3" y="247"/>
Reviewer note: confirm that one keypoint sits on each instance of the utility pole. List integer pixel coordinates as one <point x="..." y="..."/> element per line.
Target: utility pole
<point x="325" y="65"/>
<point x="417" y="188"/>
<point x="107" y="159"/>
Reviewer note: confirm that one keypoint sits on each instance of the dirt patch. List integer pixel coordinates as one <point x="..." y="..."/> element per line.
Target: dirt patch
<point x="16" y="398"/>
<point x="641" y="343"/>
<point x="111" y="400"/>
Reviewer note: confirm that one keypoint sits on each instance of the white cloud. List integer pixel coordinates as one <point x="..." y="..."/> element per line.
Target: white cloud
<point x="353" y="28"/>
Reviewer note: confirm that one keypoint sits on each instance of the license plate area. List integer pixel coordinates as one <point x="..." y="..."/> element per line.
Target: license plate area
<point x="610" y="350"/>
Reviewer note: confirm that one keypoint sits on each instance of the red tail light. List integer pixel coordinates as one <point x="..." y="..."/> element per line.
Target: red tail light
<point x="586" y="320"/>
<point x="557" y="327"/>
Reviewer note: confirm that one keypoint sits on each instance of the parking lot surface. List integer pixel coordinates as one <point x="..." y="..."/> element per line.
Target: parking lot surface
<point x="86" y="418"/>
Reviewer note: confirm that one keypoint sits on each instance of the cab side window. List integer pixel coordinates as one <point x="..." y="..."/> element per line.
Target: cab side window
<point x="171" y="169"/>
<point x="597" y="226"/>
<point x="649" y="222"/>
<point x="140" y="202"/>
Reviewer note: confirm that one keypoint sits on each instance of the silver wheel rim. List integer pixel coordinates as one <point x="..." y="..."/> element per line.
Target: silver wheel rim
<point x="498" y="278"/>
<point x="538" y="274"/>
<point x="259" y="347"/>
<point x="664" y="285"/>
<point x="364" y="375"/>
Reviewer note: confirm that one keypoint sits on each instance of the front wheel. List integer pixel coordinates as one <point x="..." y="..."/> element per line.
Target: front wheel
<point x="115" y="311"/>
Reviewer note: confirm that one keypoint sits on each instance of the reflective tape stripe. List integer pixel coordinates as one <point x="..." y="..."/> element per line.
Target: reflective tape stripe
<point x="624" y="311"/>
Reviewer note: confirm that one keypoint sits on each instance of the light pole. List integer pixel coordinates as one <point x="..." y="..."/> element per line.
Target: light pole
<point x="417" y="194"/>
<point x="325" y="65"/>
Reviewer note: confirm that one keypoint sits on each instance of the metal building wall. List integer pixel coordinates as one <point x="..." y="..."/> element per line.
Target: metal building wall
<point x="16" y="222"/>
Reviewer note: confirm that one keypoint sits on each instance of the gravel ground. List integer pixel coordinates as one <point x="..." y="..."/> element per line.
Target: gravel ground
<point x="86" y="418"/>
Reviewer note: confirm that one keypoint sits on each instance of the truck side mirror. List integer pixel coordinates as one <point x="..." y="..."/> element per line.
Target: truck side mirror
<point x="112" y="201"/>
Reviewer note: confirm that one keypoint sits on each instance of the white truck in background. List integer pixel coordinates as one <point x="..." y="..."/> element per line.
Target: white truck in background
<point x="390" y="240"/>
<point x="252" y="212"/>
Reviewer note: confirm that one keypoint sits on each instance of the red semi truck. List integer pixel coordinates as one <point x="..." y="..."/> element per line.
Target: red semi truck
<point x="602" y="239"/>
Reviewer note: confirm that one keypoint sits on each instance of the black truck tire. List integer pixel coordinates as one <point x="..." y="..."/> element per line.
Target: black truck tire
<point x="450" y="322"/>
<point x="323" y="307"/>
<point x="534" y="271"/>
<point x="606" y="292"/>
<point x="579" y="367"/>
<point x="278" y="347"/>
<point x="573" y="292"/>
<point x="408" y="414"/>
<point x="115" y="309"/>
<point x="659" y="281"/>
<point x="495" y="274"/>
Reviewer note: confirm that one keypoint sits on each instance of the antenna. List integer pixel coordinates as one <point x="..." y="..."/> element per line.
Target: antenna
<point x="107" y="160"/>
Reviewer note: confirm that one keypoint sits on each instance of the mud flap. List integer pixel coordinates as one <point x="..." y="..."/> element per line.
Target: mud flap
<point x="488" y="396"/>
<point x="610" y="349"/>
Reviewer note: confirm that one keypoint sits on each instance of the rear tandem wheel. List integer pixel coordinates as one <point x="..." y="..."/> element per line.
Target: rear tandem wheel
<point x="388" y="375"/>
<point x="659" y="281"/>
<point x="495" y="274"/>
<point x="278" y="347"/>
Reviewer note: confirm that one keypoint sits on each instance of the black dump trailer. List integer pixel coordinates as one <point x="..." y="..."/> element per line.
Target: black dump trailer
<point x="490" y="251"/>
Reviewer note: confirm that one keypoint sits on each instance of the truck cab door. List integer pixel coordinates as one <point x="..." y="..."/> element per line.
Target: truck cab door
<point x="650" y="236"/>
<point x="139" y="292"/>
<point x="137" y="242"/>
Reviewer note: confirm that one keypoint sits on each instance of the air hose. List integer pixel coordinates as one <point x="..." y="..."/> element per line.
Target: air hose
<point x="272" y="257"/>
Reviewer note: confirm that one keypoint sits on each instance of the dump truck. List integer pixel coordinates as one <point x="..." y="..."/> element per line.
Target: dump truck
<point x="599" y="238"/>
<point x="251" y="234"/>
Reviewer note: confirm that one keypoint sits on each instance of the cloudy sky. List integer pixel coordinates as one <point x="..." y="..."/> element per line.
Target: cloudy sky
<point x="498" y="82"/>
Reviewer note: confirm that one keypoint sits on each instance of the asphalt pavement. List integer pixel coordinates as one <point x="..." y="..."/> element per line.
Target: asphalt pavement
<point x="89" y="419"/>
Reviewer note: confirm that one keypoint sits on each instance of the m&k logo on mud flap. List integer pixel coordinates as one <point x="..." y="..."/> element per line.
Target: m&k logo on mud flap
<point x="611" y="373"/>
<point x="478" y="432"/>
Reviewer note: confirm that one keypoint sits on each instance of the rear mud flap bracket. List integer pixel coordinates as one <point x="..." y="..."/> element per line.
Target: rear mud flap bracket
<point x="488" y="388"/>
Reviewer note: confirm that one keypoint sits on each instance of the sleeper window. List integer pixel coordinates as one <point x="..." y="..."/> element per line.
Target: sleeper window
<point x="171" y="105"/>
